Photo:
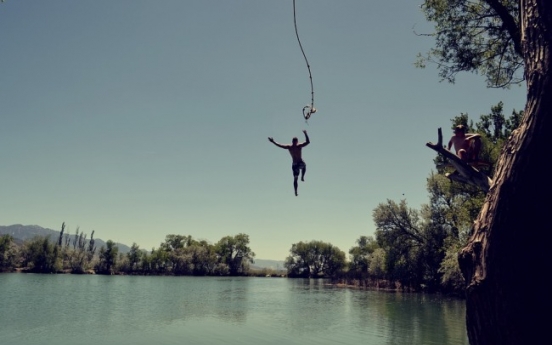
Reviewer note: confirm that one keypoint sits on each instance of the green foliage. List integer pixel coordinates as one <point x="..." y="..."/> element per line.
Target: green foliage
<point x="495" y="126"/>
<point x="41" y="255"/>
<point x="187" y="256"/>
<point x="134" y="257"/>
<point x="361" y="256"/>
<point x="204" y="258"/>
<point x="480" y="36"/>
<point x="452" y="280"/>
<point x="235" y="253"/>
<point x="377" y="268"/>
<point x="176" y="242"/>
<point x="8" y="253"/>
<point x="334" y="261"/>
<point x="451" y="207"/>
<point x="495" y="129"/>
<point x="314" y="259"/>
<point x="159" y="261"/>
<point x="76" y="255"/>
<point x="91" y="247"/>
<point x="108" y="258"/>
<point x="415" y="242"/>
<point x="177" y="255"/>
<point x="401" y="233"/>
<point x="183" y="255"/>
<point x="60" y="240"/>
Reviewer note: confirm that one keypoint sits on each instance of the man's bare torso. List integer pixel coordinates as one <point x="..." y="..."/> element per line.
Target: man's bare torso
<point x="459" y="143"/>
<point x="295" y="152"/>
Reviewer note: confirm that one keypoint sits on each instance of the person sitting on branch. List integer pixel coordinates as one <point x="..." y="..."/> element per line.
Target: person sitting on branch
<point x="298" y="166"/>
<point x="467" y="145"/>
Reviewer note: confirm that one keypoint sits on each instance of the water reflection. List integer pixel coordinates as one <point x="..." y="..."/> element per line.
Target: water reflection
<point x="313" y="306"/>
<point x="410" y="318"/>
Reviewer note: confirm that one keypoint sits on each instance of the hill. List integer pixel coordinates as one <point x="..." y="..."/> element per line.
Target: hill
<point x="25" y="232"/>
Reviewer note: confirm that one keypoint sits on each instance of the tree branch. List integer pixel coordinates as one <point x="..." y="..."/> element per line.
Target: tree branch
<point x="509" y="23"/>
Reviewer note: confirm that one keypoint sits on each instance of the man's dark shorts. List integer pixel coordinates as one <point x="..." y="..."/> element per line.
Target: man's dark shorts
<point x="297" y="166"/>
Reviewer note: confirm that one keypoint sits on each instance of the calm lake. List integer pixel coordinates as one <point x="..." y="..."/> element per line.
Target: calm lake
<point x="93" y="309"/>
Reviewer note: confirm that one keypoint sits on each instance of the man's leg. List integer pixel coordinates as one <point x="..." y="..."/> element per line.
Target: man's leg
<point x="475" y="147"/>
<point x="463" y="155"/>
<point x="296" y="169"/>
<point x="303" y="171"/>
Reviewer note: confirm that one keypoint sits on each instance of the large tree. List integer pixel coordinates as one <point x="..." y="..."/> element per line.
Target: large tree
<point x="234" y="251"/>
<point x="506" y="260"/>
<point x="314" y="259"/>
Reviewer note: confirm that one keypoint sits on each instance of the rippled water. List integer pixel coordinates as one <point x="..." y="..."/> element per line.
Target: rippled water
<point x="90" y="309"/>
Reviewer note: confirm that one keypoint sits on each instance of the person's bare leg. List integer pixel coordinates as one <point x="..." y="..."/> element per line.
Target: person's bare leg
<point x="475" y="148"/>
<point x="295" y="184"/>
<point x="463" y="155"/>
<point x="303" y="173"/>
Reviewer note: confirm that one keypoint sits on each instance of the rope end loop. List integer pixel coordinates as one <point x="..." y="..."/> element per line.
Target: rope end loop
<point x="308" y="110"/>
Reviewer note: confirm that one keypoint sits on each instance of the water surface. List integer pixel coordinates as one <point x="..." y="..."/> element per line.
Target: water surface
<point x="94" y="309"/>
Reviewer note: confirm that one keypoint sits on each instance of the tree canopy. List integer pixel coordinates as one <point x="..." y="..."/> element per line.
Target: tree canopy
<point x="314" y="259"/>
<point x="480" y="36"/>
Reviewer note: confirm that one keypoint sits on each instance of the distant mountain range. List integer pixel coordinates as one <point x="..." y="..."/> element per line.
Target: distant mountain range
<point x="22" y="233"/>
<point x="26" y="232"/>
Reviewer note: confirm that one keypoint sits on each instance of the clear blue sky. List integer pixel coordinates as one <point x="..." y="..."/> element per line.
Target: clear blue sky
<point x="139" y="119"/>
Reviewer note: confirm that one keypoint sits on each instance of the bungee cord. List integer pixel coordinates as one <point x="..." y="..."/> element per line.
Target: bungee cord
<point x="309" y="109"/>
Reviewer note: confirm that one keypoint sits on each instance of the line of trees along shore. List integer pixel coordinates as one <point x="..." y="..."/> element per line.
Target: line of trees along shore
<point x="414" y="249"/>
<point x="177" y="255"/>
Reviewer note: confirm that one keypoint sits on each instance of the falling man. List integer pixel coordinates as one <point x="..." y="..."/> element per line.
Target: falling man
<point x="298" y="166"/>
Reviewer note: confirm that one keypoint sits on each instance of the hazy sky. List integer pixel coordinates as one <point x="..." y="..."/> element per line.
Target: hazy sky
<point x="139" y="119"/>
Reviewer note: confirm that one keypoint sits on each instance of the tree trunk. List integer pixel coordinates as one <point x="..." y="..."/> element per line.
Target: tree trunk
<point x="506" y="262"/>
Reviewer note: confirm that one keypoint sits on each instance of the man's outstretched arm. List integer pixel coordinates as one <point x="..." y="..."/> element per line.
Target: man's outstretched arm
<point x="307" y="140"/>
<point x="277" y="144"/>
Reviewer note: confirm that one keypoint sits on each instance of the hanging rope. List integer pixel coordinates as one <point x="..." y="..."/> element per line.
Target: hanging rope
<point x="309" y="109"/>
